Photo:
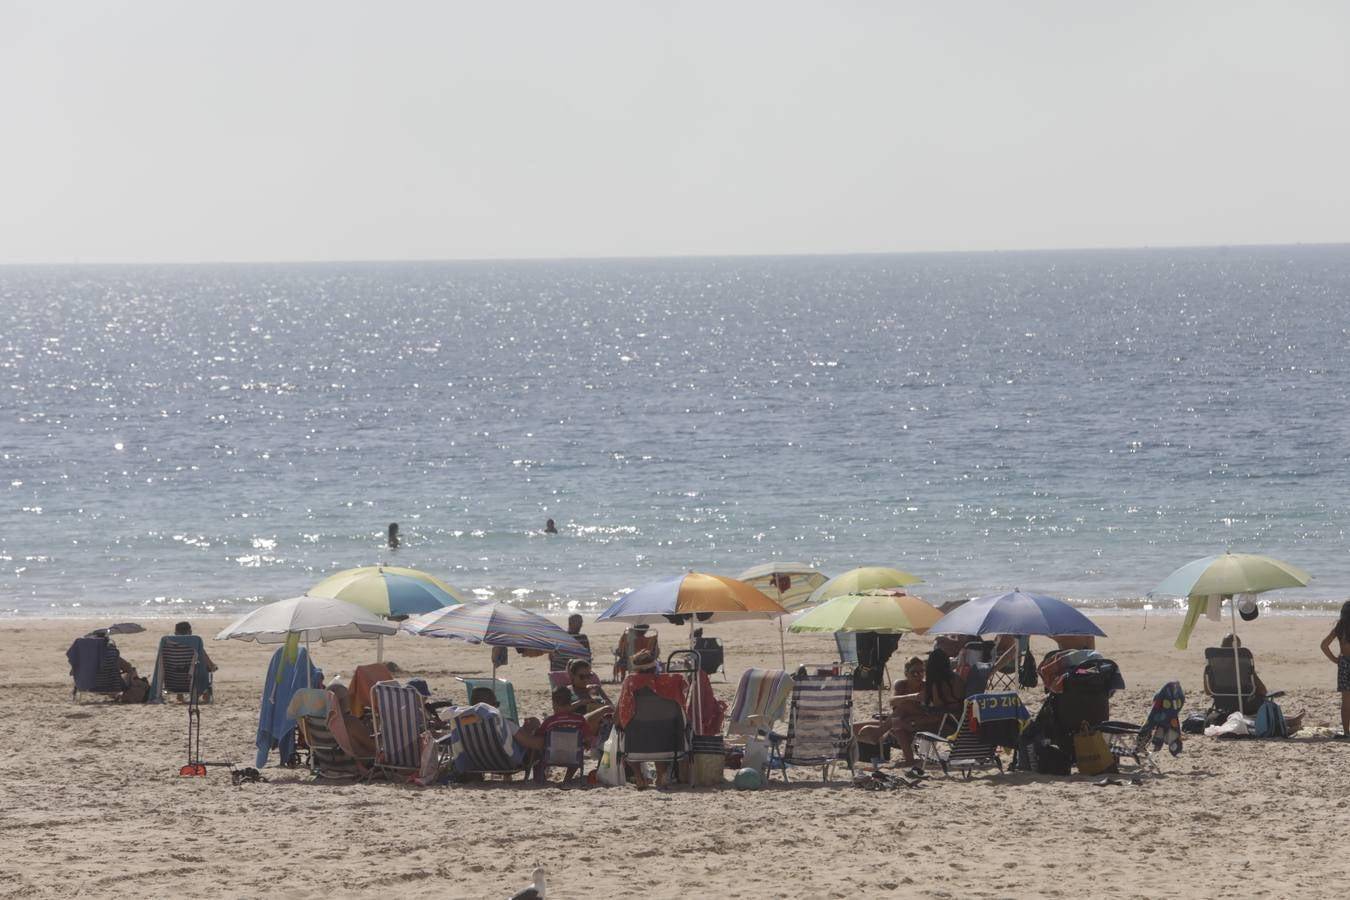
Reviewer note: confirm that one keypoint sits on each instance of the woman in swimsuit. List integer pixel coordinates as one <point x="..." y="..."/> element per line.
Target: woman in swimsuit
<point x="1340" y="635"/>
<point x="941" y="696"/>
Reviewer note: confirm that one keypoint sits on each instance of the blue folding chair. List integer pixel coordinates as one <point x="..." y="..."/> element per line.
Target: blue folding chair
<point x="399" y="720"/>
<point x="503" y="690"/>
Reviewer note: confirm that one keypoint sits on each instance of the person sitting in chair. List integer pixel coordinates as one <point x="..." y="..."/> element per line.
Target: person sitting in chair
<point x="1259" y="692"/>
<point x="941" y="697"/>
<point x="871" y="731"/>
<point x="524" y="737"/>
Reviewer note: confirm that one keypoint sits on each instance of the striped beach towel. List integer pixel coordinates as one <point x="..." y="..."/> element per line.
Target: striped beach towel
<point x="762" y="693"/>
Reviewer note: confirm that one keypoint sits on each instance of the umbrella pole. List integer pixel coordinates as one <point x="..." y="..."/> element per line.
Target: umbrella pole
<point x="782" y="648"/>
<point x="309" y="667"/>
<point x="379" y="649"/>
<point x="1237" y="668"/>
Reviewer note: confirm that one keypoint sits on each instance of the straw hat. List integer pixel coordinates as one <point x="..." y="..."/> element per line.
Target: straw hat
<point x="644" y="661"/>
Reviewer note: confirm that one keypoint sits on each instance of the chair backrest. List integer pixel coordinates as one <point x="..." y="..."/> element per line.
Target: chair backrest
<point x="1229" y="684"/>
<point x="399" y="719"/>
<point x="819" y="721"/>
<point x="330" y="756"/>
<point x="847" y="642"/>
<point x="177" y="668"/>
<point x="564" y="746"/>
<point x="93" y="665"/>
<point x="657" y="729"/>
<point x="478" y="738"/>
<point x="504" y="691"/>
<point x="309" y="702"/>
<point x="761" y="700"/>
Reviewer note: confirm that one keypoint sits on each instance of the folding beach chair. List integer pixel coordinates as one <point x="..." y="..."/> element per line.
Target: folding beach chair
<point x="321" y="724"/>
<point x="399" y="721"/>
<point x="987" y="722"/>
<point x="565" y="747"/>
<point x="503" y="690"/>
<point x="478" y="741"/>
<point x="1003" y="676"/>
<point x="657" y="732"/>
<point x="761" y="700"/>
<point x="93" y="666"/>
<point x="177" y="670"/>
<point x="819" y="725"/>
<point x="1231" y="689"/>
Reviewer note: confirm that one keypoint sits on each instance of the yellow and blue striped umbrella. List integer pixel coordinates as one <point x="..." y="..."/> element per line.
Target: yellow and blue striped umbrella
<point x="389" y="591"/>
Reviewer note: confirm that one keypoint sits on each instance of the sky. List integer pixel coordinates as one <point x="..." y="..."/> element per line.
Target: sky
<point x="180" y="132"/>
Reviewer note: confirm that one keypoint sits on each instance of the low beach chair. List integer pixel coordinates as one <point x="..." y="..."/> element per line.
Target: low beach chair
<point x="987" y="722"/>
<point x="177" y="670"/>
<point x="820" y="732"/>
<point x="399" y="721"/>
<point x="477" y="743"/>
<point x="564" y="747"/>
<point x="503" y="690"/>
<point x="330" y="750"/>
<point x="93" y="666"/>
<point x="1231" y="688"/>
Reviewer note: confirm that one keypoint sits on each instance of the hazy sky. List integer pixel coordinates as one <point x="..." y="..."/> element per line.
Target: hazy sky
<point x="383" y="130"/>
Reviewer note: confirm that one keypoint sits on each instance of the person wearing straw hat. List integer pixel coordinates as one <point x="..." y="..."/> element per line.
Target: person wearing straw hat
<point x="642" y="673"/>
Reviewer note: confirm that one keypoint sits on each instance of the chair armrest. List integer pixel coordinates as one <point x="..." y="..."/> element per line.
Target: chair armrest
<point x="930" y="736"/>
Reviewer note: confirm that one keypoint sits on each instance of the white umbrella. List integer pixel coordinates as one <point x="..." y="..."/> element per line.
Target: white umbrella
<point x="311" y="618"/>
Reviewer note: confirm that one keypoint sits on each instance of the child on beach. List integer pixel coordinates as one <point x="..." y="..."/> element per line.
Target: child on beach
<point x="1341" y="635"/>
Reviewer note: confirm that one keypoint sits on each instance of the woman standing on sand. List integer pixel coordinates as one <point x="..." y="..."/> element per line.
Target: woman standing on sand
<point x="1341" y="635"/>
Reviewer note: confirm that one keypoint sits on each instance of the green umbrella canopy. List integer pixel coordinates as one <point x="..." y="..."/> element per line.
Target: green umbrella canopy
<point x="878" y="613"/>
<point x="866" y="578"/>
<point x="1231" y="573"/>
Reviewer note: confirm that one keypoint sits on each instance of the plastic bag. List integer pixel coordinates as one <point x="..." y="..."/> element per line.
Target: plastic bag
<point x="610" y="770"/>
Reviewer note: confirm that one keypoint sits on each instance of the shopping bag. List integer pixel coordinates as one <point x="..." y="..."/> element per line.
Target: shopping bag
<point x="610" y="770"/>
<point x="1092" y="754"/>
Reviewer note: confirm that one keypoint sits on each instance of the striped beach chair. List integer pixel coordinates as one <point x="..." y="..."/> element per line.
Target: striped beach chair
<point x="177" y="670"/>
<point x="321" y="724"/>
<point x="399" y="720"/>
<point x="478" y="743"/>
<point x="93" y="666"/>
<point x="820" y="732"/>
<point x="564" y="747"/>
<point x="986" y="721"/>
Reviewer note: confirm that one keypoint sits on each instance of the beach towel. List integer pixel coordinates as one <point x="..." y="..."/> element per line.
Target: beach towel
<point x="670" y="685"/>
<point x="93" y="665"/>
<point x="1164" y="719"/>
<point x="711" y="711"/>
<point x="363" y="679"/>
<point x="763" y="693"/>
<point x="286" y="674"/>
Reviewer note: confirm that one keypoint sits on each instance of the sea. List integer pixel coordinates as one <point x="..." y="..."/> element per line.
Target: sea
<point x="188" y="439"/>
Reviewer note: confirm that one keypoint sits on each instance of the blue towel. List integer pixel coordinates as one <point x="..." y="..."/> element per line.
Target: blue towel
<point x="276" y="727"/>
<point x="1164" y="725"/>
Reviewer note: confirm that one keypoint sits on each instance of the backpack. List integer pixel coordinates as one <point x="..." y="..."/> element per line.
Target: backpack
<point x="1270" y="721"/>
<point x="136" y="691"/>
<point x="1026" y="676"/>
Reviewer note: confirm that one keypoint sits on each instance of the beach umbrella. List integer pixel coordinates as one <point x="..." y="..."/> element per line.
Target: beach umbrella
<point x="497" y="625"/>
<point x="394" y="592"/>
<point x="788" y="584"/>
<point x="877" y="612"/>
<point x="1224" y="576"/>
<point x="695" y="595"/>
<point x="307" y="619"/>
<point x="1231" y="573"/>
<point x="866" y="578"/>
<point x="1016" y="612"/>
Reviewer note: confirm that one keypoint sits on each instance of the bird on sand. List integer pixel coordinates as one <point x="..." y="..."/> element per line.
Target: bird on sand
<point x="532" y="891"/>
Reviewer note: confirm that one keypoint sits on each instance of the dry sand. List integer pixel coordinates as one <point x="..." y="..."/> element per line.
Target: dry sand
<point x="92" y="802"/>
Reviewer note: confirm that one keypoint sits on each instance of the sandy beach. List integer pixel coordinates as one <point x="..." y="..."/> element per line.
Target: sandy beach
<point x="93" y="803"/>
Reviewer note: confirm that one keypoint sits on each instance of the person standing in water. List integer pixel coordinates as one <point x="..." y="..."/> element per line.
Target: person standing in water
<point x="550" y="528"/>
<point x="393" y="535"/>
<point x="1340" y="636"/>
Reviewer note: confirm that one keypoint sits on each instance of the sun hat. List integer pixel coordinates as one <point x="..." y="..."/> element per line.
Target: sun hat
<point x="1247" y="607"/>
<point x="644" y="661"/>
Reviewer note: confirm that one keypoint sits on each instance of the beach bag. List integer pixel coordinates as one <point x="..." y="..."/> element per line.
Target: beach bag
<point x="1026" y="677"/>
<point x="135" y="692"/>
<point x="1194" y="723"/>
<point x="1270" y="721"/>
<point x="610" y="770"/>
<point x="1091" y="752"/>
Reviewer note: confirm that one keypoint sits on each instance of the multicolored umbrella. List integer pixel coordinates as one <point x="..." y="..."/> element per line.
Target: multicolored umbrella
<point x="876" y="612"/>
<point x="389" y="591"/>
<point x="1016" y="612"/>
<point x="865" y="578"/>
<point x="696" y="595"/>
<point x="788" y="584"/>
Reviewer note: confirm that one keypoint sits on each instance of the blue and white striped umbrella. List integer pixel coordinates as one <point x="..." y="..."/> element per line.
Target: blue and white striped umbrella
<point x="498" y="625"/>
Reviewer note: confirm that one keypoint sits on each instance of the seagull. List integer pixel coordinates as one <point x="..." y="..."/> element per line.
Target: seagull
<point x="532" y="891"/>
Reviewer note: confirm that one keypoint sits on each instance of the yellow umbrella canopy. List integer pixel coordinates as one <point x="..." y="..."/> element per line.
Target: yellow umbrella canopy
<point x="876" y="612"/>
<point x="866" y="578"/>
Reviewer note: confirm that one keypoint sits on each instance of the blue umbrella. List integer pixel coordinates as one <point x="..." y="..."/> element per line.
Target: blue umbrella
<point x="498" y="625"/>
<point x="1015" y="612"/>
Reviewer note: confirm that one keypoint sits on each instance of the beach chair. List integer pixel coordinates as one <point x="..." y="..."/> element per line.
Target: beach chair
<point x="399" y="721"/>
<point x="330" y="751"/>
<point x="93" y="666"/>
<point x="477" y="743"/>
<point x="657" y="731"/>
<point x="1229" y="688"/>
<point x="565" y="747"/>
<point x="761" y="700"/>
<point x="819" y="725"/>
<point x="177" y="670"/>
<point x="987" y="722"/>
<point x="503" y="690"/>
<point x="1003" y="677"/>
